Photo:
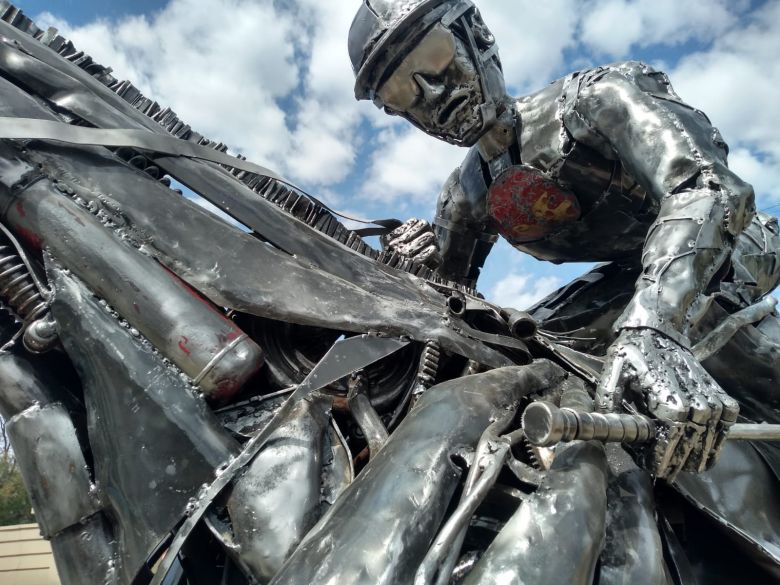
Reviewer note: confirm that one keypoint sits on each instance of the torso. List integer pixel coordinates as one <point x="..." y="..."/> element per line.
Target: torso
<point x="557" y="199"/>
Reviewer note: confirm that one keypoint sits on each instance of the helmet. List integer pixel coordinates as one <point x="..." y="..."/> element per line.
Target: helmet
<point x="385" y="31"/>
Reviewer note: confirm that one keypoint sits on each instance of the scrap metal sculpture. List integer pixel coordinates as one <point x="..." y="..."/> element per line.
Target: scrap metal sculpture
<point x="278" y="402"/>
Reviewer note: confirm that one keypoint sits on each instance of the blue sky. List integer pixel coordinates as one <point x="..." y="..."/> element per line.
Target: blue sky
<point x="272" y="79"/>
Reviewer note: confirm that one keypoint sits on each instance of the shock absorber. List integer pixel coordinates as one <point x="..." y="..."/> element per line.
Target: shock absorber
<point x="21" y="294"/>
<point x="427" y="370"/>
<point x="429" y="364"/>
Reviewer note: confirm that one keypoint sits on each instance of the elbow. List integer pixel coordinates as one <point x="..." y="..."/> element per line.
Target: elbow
<point x="739" y="199"/>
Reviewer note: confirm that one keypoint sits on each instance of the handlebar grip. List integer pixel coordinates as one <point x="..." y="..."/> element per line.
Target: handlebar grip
<point x="546" y="425"/>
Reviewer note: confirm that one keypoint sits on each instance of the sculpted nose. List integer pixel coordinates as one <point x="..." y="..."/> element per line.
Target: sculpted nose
<point x="431" y="89"/>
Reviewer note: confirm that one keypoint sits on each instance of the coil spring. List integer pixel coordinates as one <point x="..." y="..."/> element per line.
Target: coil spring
<point x="18" y="291"/>
<point x="429" y="364"/>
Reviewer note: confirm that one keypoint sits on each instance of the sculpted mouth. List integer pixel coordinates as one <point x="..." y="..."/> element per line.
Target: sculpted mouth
<point x="452" y="107"/>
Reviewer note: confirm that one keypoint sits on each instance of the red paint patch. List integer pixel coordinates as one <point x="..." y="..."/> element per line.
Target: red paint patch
<point x="30" y="237"/>
<point x="183" y="341"/>
<point x="20" y="209"/>
<point x="526" y="206"/>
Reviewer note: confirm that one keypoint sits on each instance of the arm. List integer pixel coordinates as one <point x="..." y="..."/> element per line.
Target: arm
<point x="630" y="112"/>
<point x="460" y="226"/>
<point x="459" y="241"/>
<point x="680" y="160"/>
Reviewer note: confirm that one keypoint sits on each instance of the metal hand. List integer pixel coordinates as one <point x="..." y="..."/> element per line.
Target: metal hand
<point x="664" y="380"/>
<point x="414" y="239"/>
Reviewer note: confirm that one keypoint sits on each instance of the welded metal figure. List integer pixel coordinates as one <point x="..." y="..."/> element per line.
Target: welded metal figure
<point x="196" y="402"/>
<point x="606" y="164"/>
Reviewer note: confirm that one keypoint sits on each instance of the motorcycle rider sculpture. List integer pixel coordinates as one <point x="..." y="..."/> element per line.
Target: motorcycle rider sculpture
<point x="606" y="164"/>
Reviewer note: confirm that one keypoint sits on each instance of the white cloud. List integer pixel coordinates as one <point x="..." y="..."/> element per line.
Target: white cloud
<point x="408" y="164"/>
<point x="763" y="174"/>
<point x="324" y="143"/>
<point x="737" y="83"/>
<point x="613" y="27"/>
<point x="182" y="57"/>
<point x="231" y="87"/>
<point x="532" y="37"/>
<point x="521" y="290"/>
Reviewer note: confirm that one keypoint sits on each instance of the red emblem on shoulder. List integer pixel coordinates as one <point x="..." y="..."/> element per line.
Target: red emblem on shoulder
<point x="526" y="206"/>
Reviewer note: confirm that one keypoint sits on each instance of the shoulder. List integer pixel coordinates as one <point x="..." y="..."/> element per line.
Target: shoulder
<point x="635" y="76"/>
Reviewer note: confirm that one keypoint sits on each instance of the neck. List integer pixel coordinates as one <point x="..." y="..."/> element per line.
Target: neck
<point x="502" y="134"/>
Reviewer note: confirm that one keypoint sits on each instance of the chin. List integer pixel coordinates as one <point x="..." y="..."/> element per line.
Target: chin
<point x="469" y="134"/>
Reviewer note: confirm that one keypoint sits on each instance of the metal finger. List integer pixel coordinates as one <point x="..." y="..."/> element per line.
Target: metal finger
<point x="407" y="232"/>
<point x="727" y="419"/>
<point x="424" y="240"/>
<point x="690" y="438"/>
<point x="673" y="402"/>
<point x="659" y="458"/>
<point x="720" y="439"/>
<point x="730" y="407"/>
<point x="697" y="460"/>
<point x="415" y="246"/>
<point x="430" y="256"/>
<point x="609" y="394"/>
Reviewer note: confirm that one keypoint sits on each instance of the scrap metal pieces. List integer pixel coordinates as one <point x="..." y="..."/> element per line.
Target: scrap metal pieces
<point x="742" y="475"/>
<point x="633" y="552"/>
<point x="378" y="531"/>
<point x="567" y="513"/>
<point x="207" y="346"/>
<point x="277" y="499"/>
<point x="53" y="466"/>
<point x="153" y="440"/>
<point x="49" y="454"/>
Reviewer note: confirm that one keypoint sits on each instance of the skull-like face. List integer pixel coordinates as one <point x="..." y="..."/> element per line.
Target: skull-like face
<point x="437" y="87"/>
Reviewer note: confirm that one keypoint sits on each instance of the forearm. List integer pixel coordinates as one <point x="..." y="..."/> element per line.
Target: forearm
<point x="673" y="151"/>
<point x="462" y="235"/>
<point x="463" y="251"/>
<point x="688" y="246"/>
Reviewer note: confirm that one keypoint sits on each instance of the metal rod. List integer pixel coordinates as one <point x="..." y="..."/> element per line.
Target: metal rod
<point x="720" y="336"/>
<point x="366" y="416"/>
<point x="546" y="425"/>
<point x="437" y="557"/>
<point x="754" y="432"/>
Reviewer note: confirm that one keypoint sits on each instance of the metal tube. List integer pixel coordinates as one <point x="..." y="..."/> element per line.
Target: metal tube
<point x="546" y="425"/>
<point x="366" y="416"/>
<point x="520" y="323"/>
<point x="189" y="331"/>
<point x="720" y="336"/>
<point x="753" y="432"/>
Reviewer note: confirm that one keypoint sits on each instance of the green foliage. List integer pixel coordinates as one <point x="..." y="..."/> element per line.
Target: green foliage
<point x="14" y="503"/>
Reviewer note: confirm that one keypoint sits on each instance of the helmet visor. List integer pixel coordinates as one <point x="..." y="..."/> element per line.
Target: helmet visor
<point x="431" y="57"/>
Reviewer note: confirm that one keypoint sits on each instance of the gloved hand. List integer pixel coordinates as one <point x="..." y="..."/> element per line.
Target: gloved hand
<point x="414" y="239"/>
<point x="665" y="381"/>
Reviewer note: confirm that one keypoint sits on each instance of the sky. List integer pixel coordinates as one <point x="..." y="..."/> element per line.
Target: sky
<point x="272" y="79"/>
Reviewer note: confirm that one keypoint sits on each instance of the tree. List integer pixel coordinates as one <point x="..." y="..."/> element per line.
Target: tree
<point x="15" y="506"/>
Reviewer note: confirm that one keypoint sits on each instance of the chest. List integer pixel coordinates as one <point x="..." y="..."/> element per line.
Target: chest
<point x="524" y="205"/>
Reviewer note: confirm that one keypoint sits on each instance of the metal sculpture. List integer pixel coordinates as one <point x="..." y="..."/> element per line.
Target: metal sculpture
<point x="193" y="402"/>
